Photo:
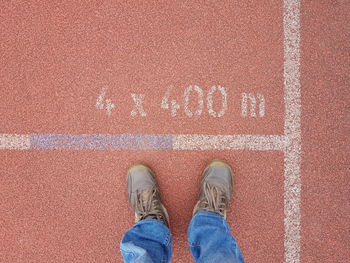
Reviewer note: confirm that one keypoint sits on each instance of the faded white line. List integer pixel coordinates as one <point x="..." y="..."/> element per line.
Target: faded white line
<point x="229" y="142"/>
<point x="14" y="142"/>
<point x="292" y="130"/>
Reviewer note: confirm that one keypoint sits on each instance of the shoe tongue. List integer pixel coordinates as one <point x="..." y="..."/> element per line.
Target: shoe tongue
<point x="217" y="188"/>
<point x="214" y="195"/>
<point x="147" y="201"/>
<point x="146" y="196"/>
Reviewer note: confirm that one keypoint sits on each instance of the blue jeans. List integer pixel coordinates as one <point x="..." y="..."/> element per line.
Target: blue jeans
<point x="209" y="237"/>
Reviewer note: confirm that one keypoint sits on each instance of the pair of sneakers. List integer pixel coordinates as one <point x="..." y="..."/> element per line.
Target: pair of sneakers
<point x="144" y="196"/>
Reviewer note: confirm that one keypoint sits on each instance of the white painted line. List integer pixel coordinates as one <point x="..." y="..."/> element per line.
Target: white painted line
<point x="229" y="142"/>
<point x="14" y="142"/>
<point x="292" y="130"/>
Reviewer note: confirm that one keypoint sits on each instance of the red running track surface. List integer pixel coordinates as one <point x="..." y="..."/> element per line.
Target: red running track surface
<point x="71" y="206"/>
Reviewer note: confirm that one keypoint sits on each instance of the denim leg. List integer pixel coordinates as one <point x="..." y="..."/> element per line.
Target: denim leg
<point x="210" y="239"/>
<point x="149" y="241"/>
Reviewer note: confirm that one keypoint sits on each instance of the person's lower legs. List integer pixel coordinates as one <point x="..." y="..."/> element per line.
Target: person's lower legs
<point x="209" y="236"/>
<point x="210" y="239"/>
<point x="149" y="240"/>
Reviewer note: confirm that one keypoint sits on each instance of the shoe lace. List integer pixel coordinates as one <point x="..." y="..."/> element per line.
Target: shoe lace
<point x="215" y="199"/>
<point x="148" y="204"/>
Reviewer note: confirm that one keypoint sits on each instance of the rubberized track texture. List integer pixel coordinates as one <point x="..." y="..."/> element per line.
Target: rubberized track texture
<point x="88" y="88"/>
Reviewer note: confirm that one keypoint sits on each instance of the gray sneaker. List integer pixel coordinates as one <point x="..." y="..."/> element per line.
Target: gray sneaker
<point x="144" y="194"/>
<point x="215" y="189"/>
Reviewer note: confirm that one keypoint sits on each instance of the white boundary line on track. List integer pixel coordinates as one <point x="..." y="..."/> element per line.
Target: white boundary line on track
<point x="198" y="142"/>
<point x="290" y="142"/>
<point x="230" y="142"/>
<point x="14" y="142"/>
<point x="292" y="130"/>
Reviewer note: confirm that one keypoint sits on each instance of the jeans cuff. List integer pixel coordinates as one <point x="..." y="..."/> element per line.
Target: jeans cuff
<point x="208" y="213"/>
